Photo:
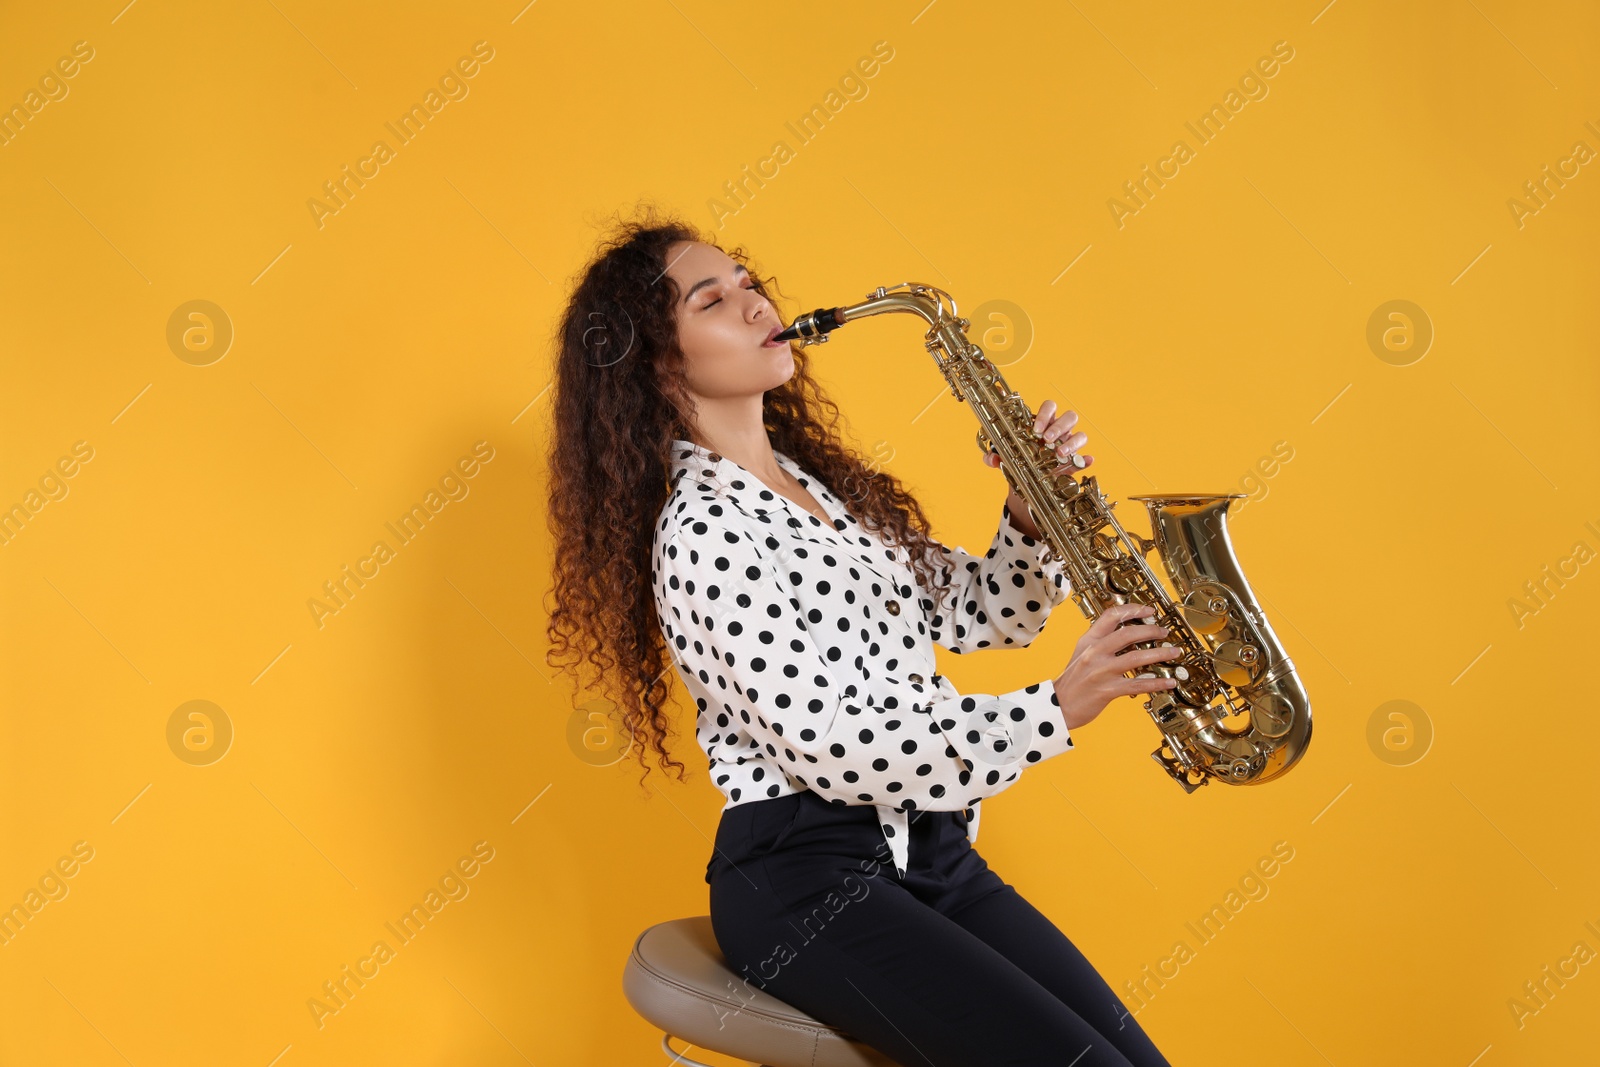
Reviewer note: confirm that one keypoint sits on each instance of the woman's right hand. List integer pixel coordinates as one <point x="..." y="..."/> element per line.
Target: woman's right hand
<point x="1094" y="675"/>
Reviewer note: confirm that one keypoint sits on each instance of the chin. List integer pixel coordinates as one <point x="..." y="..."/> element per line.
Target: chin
<point x="788" y="368"/>
<point x="782" y="365"/>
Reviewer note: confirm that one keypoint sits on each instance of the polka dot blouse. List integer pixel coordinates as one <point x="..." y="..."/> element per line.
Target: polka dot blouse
<point x="809" y="649"/>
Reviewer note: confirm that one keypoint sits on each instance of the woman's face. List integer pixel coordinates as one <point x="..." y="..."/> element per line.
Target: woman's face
<point x="723" y="326"/>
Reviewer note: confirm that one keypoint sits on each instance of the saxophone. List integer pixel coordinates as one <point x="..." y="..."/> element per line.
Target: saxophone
<point x="1238" y="712"/>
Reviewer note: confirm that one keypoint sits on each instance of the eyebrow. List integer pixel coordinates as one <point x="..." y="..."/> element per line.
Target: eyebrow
<point x="703" y="282"/>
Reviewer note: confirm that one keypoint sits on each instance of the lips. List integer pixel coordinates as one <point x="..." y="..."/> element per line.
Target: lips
<point x="768" y="343"/>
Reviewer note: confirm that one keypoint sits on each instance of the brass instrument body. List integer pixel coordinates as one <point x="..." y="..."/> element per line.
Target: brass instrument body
<point x="1239" y="713"/>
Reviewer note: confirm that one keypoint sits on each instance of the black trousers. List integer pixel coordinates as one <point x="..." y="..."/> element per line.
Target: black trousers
<point x="949" y="967"/>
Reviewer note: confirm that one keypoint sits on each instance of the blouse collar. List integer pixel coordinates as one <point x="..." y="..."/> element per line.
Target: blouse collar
<point x="752" y="496"/>
<point x="730" y="479"/>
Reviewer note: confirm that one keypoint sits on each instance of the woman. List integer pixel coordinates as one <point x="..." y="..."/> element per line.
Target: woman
<point x="703" y="508"/>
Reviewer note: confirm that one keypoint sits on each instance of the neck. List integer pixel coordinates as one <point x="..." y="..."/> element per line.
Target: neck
<point x="741" y="437"/>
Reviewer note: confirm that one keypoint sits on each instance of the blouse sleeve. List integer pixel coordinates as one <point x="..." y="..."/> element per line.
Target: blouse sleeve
<point x="747" y="652"/>
<point x="1000" y="599"/>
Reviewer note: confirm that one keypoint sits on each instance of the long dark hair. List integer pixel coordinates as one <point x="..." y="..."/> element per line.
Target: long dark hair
<point x="619" y="402"/>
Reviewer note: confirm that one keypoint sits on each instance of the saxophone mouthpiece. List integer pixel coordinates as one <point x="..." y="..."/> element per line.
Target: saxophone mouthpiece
<point x="812" y="328"/>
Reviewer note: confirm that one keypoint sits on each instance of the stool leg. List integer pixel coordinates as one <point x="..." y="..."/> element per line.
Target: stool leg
<point x="677" y="1057"/>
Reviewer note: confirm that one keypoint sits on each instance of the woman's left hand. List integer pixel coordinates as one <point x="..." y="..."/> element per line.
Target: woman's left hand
<point x="1052" y="429"/>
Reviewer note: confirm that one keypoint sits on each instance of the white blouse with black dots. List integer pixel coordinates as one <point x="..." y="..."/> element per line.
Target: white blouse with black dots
<point x="812" y="661"/>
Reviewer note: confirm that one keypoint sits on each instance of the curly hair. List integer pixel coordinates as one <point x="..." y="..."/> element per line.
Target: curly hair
<point x="619" y="402"/>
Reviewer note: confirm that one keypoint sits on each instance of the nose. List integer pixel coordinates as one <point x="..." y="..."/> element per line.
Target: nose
<point x="761" y="305"/>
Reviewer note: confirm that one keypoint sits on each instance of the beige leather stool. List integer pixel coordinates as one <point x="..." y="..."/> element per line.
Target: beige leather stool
<point x="677" y="979"/>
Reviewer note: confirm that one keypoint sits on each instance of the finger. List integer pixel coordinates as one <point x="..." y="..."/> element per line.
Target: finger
<point x="1148" y="683"/>
<point x="1060" y="426"/>
<point x="1145" y="656"/>
<point x="1133" y="634"/>
<point x="1068" y="443"/>
<point x="1139" y="630"/>
<point x="1117" y="614"/>
<point x="1070" y="460"/>
<point x="1065" y="450"/>
<point x="1142" y="628"/>
<point x="1042" y="419"/>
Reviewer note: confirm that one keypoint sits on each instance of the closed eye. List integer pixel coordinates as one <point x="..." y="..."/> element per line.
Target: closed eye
<point x="718" y="300"/>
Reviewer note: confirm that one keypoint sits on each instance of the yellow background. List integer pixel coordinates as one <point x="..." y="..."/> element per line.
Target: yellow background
<point x="372" y="752"/>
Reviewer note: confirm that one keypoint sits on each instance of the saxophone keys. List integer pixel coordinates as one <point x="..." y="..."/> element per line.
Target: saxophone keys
<point x="1270" y="714"/>
<point x="1121" y="580"/>
<point x="1205" y="611"/>
<point x="1103" y="547"/>
<point x="1237" y="663"/>
<point x="1242" y="760"/>
<point x="1179" y="671"/>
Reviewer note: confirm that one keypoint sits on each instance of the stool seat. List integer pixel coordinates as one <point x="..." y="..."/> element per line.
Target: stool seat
<point x="677" y="978"/>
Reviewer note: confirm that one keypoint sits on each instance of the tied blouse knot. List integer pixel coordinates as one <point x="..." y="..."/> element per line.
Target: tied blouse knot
<point x="809" y="649"/>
